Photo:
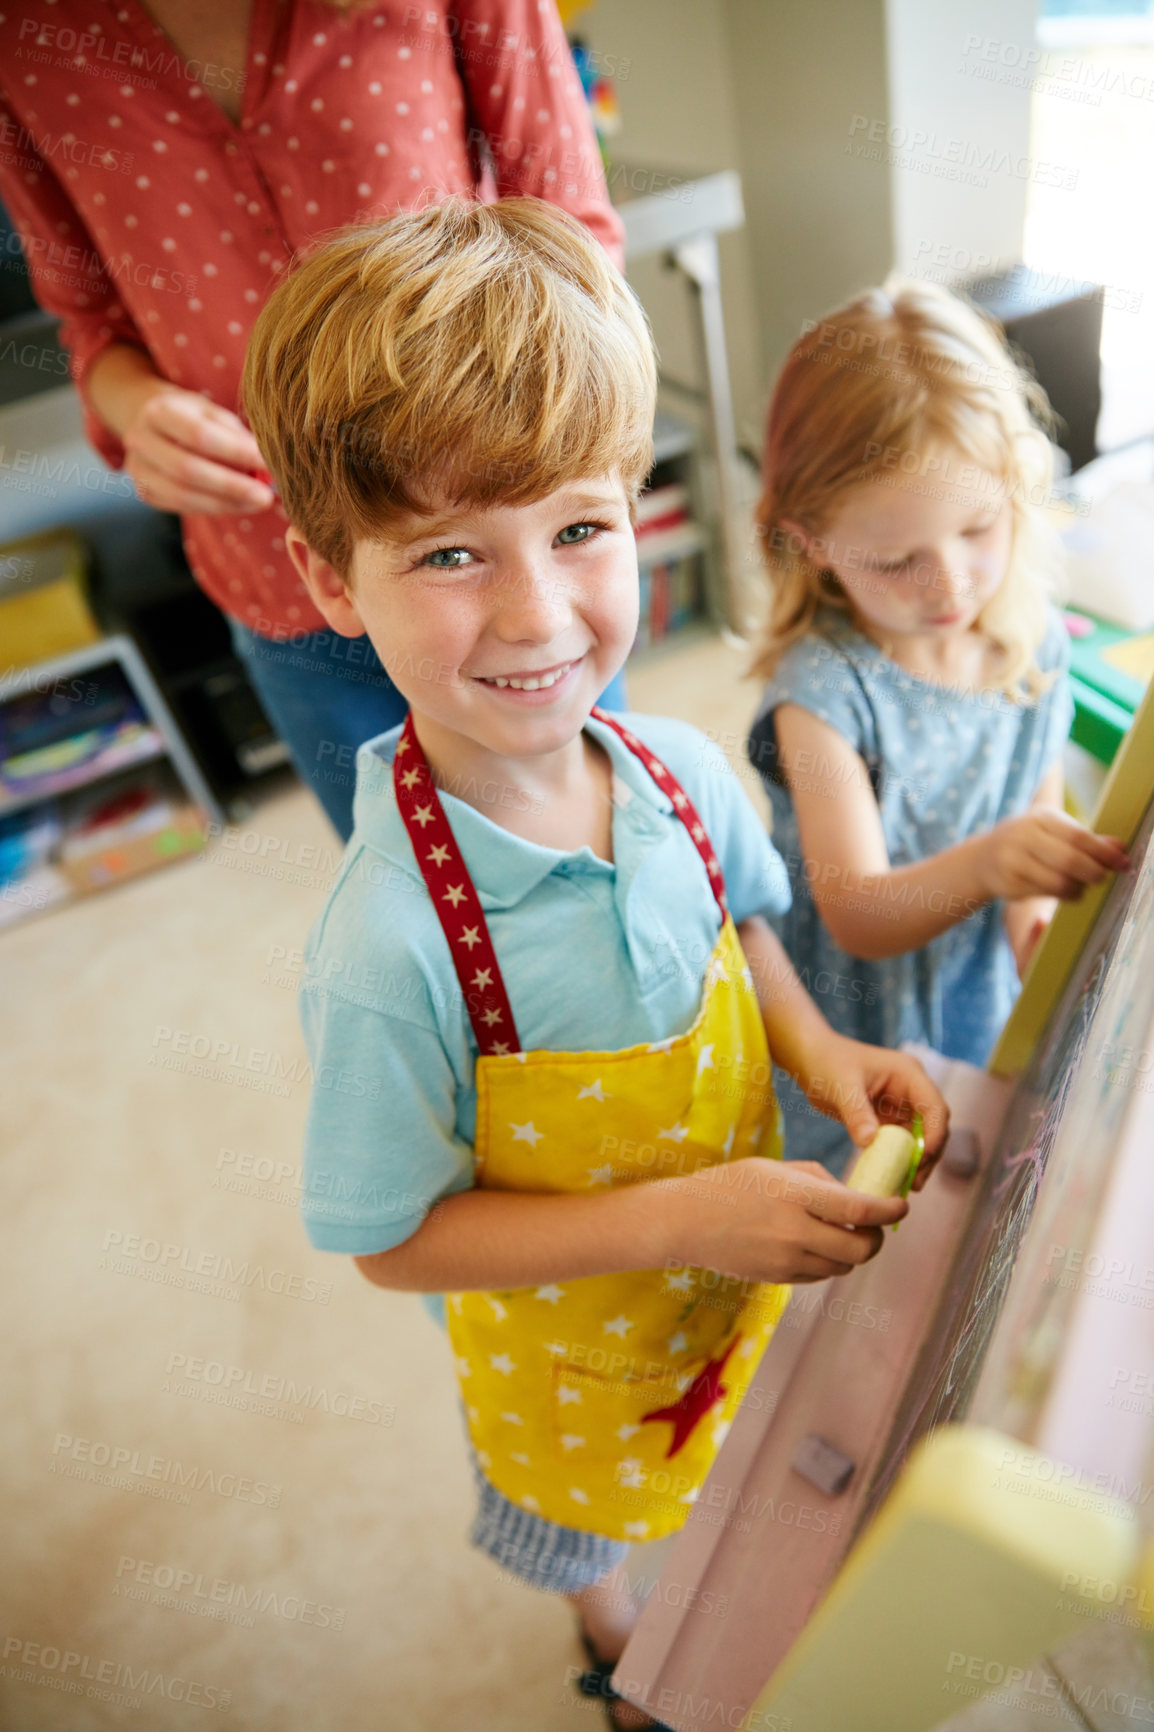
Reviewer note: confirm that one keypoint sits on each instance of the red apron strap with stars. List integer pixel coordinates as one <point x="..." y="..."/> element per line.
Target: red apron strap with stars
<point x="456" y="901"/>
<point x="454" y="896"/>
<point x="682" y="804"/>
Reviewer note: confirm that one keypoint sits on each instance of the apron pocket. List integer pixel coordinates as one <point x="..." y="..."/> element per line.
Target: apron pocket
<point x="610" y="1454"/>
<point x="599" y="1418"/>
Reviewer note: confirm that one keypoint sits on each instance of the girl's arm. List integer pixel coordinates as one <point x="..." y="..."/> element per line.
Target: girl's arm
<point x="872" y="909"/>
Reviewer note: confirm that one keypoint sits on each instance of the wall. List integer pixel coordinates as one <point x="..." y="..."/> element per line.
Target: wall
<point x="959" y="137"/>
<point x="820" y="217"/>
<point x="672" y="65"/>
<point x="816" y="107"/>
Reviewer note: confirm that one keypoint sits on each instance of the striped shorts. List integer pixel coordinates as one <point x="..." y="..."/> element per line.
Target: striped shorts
<point x="558" y="1559"/>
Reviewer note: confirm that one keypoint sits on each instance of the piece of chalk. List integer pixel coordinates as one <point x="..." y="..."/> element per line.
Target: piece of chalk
<point x="883" y="1166"/>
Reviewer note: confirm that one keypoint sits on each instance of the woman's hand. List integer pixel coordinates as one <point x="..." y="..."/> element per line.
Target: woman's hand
<point x="189" y="455"/>
<point x="765" y="1220"/>
<point x="1045" y="852"/>
<point x="870" y="1086"/>
<point x="184" y="452"/>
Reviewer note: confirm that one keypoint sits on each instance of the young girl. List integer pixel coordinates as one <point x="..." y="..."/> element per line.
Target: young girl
<point x="910" y="736"/>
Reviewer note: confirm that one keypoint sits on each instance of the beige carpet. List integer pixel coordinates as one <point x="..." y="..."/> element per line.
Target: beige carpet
<point x="236" y="1487"/>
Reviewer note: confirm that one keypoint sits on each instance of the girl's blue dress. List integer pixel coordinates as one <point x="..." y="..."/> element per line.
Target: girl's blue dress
<point x="945" y="763"/>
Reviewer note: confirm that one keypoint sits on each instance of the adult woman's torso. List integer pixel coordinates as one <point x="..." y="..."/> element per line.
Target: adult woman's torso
<point x="211" y="32"/>
<point x="181" y="186"/>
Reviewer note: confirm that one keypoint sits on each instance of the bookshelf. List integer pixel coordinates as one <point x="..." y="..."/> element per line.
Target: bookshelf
<point x="97" y="784"/>
<point x="672" y="541"/>
<point x="678" y="217"/>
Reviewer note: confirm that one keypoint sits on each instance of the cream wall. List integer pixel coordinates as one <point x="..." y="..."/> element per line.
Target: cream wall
<point x="673" y="69"/>
<point x="820" y="221"/>
<point x="961" y="139"/>
<point x="788" y="93"/>
<point x="763" y="86"/>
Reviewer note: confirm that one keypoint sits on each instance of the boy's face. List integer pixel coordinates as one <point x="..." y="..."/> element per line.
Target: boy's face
<point x="503" y="624"/>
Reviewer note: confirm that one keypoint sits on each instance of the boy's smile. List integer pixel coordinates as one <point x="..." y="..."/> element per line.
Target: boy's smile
<point x="541" y="680"/>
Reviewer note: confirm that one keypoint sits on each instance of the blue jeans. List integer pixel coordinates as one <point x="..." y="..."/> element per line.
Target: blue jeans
<point x="325" y="695"/>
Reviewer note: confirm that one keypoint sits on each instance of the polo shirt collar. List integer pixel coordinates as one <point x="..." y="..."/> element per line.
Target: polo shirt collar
<point x="505" y="868"/>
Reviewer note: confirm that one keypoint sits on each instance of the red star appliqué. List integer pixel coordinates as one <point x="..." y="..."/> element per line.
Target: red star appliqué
<point x="704" y="1392"/>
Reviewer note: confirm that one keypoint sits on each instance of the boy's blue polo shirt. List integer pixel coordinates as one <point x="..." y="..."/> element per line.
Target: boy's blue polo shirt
<point x="595" y="957"/>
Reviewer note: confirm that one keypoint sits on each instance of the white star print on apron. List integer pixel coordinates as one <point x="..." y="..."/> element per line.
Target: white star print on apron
<point x="601" y="1402"/>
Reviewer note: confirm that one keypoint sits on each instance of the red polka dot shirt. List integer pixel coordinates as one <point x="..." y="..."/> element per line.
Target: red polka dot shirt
<point x="149" y="217"/>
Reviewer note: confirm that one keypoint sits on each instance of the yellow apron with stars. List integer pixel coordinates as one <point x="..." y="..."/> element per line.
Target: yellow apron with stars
<point x="601" y="1402"/>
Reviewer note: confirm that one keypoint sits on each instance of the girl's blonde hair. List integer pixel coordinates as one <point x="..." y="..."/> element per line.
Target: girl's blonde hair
<point x="876" y="389"/>
<point x="484" y="353"/>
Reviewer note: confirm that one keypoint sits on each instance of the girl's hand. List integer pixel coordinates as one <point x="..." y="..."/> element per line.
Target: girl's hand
<point x="187" y="454"/>
<point x="1046" y="853"/>
<point x="868" y="1086"/>
<point x="765" y="1220"/>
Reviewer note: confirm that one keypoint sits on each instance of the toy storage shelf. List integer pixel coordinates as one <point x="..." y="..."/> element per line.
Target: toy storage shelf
<point x="143" y="749"/>
<point x="58" y="870"/>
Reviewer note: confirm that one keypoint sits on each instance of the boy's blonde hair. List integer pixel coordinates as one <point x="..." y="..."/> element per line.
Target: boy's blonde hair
<point x="479" y="352"/>
<point x="899" y="375"/>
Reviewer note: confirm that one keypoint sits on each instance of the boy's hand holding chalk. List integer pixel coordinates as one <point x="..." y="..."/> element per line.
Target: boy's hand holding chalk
<point x="766" y="1220"/>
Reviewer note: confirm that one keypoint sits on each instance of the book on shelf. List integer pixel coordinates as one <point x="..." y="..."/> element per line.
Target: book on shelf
<point x="671" y="543"/>
<point x="91" y="837"/>
<point x="50" y="740"/>
<point x="671" y="596"/>
<point x="102" y="818"/>
<point x="661" y="508"/>
<point x="29" y="879"/>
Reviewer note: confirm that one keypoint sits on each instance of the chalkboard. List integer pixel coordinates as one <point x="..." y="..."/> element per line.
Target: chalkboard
<point x="997" y="1292"/>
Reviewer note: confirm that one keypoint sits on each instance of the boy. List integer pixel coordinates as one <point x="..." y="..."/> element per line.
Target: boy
<point x="519" y="1002"/>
